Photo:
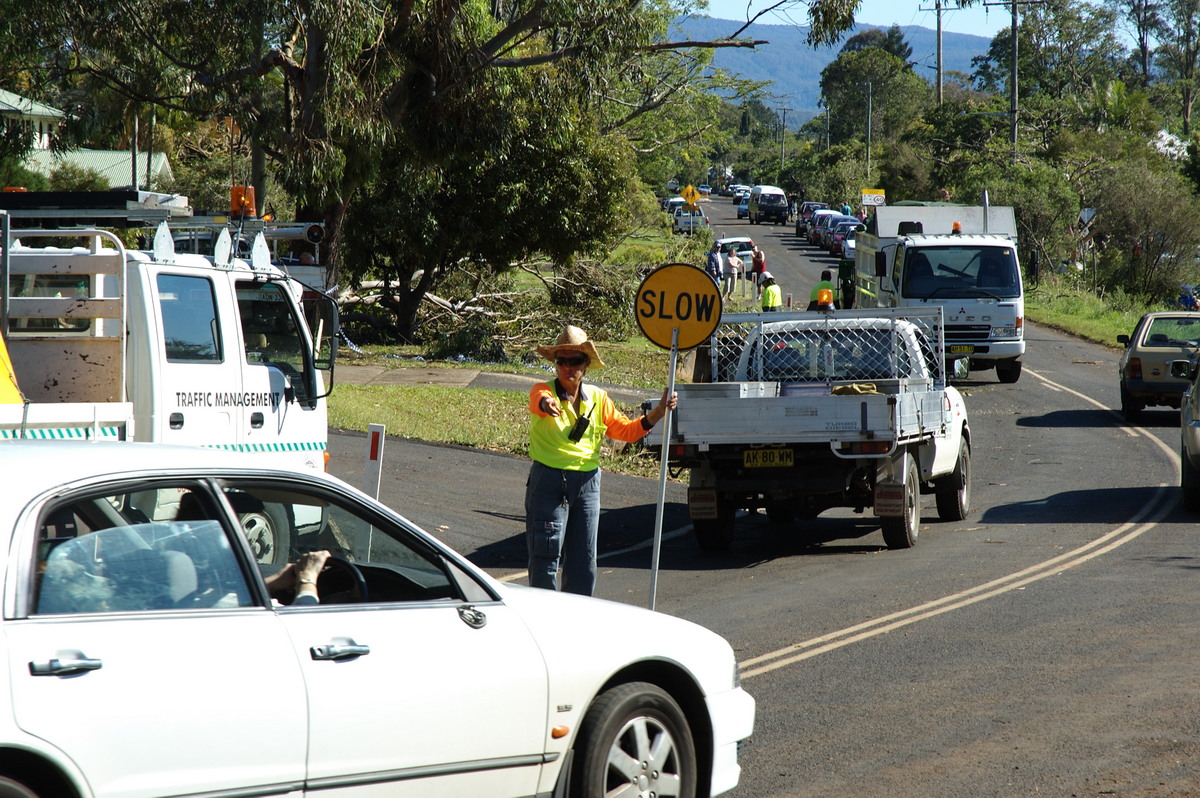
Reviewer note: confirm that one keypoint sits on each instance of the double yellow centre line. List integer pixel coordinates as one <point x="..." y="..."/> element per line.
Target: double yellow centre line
<point x="1153" y="513"/>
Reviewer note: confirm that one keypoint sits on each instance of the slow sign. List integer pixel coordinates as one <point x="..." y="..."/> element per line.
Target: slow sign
<point x="681" y="297"/>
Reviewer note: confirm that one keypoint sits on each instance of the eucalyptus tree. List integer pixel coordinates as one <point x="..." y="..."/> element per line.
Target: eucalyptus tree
<point x="1178" y="53"/>
<point x="324" y="88"/>
<point x="874" y="87"/>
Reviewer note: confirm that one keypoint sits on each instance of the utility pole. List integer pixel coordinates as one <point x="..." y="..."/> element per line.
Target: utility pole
<point x="938" y="6"/>
<point x="1013" y="106"/>
<point x="869" y="120"/>
<point x="782" y="138"/>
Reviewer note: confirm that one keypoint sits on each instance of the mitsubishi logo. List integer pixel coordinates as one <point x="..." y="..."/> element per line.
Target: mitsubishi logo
<point x="962" y="310"/>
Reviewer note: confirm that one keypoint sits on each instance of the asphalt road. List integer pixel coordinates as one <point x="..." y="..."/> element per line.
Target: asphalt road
<point x="1045" y="645"/>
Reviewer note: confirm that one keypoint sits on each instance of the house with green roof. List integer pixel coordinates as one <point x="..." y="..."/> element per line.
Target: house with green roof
<point x="120" y="168"/>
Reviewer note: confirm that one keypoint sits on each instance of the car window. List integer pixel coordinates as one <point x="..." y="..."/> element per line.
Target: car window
<point x="1167" y="331"/>
<point x="130" y="551"/>
<point x="377" y="559"/>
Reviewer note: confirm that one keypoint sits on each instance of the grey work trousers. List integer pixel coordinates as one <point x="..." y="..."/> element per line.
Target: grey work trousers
<point x="562" y="515"/>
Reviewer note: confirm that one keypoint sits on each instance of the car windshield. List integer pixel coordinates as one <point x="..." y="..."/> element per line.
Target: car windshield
<point x="967" y="270"/>
<point x="1173" y="331"/>
<point x="771" y="199"/>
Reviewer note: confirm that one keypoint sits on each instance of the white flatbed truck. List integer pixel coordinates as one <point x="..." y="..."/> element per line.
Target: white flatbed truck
<point x="808" y="411"/>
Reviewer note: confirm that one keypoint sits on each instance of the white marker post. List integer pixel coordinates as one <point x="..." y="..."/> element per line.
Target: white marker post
<point x="373" y="466"/>
<point x="678" y="307"/>
<point x="662" y="472"/>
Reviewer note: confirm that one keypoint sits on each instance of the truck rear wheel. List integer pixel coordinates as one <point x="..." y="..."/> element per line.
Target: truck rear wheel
<point x="715" y="534"/>
<point x="953" y="491"/>
<point x="900" y="532"/>
<point x="1009" y="371"/>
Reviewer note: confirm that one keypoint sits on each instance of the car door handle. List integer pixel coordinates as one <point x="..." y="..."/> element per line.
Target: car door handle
<point x="337" y="651"/>
<point x="64" y="667"/>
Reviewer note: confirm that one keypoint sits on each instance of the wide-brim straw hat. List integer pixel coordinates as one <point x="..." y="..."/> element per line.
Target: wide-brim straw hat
<point x="575" y="339"/>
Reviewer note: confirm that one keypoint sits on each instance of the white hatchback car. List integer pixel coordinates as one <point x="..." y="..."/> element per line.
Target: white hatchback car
<point x="147" y="654"/>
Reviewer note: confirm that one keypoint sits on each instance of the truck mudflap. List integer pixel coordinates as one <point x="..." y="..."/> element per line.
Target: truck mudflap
<point x="702" y="504"/>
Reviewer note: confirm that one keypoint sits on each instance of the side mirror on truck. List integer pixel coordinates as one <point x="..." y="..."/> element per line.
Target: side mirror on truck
<point x="881" y="264"/>
<point x="325" y="325"/>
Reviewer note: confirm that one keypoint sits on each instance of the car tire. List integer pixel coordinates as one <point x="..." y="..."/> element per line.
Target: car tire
<point x="953" y="492"/>
<point x="14" y="789"/>
<point x="900" y="532"/>
<point x="1189" y="482"/>
<point x="634" y="734"/>
<point x="1131" y="408"/>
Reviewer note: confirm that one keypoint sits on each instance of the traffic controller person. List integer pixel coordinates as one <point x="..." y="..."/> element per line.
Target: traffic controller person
<point x="568" y="422"/>
<point x="772" y="295"/>
<point x="825" y="284"/>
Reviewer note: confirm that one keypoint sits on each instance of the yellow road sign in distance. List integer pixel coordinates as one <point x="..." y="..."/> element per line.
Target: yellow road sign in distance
<point x="873" y="196"/>
<point x="681" y="296"/>
<point x="690" y="194"/>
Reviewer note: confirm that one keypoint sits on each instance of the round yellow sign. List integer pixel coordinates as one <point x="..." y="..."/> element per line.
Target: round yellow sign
<point x="678" y="296"/>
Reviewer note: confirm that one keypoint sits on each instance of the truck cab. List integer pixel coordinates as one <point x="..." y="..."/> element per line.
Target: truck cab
<point x="214" y="351"/>
<point x="921" y="256"/>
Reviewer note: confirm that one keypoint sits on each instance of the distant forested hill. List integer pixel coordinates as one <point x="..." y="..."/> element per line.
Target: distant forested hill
<point x="795" y="68"/>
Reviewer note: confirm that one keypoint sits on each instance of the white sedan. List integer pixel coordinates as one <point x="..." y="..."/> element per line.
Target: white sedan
<point x="152" y="650"/>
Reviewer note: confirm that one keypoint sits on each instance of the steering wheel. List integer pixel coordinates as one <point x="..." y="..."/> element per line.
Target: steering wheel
<point x="341" y="582"/>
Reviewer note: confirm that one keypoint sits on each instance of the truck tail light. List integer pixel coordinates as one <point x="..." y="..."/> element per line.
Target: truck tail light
<point x="680" y="451"/>
<point x="868" y="447"/>
<point x="1133" y="369"/>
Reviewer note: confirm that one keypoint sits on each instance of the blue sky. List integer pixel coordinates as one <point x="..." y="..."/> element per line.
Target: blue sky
<point x="980" y="20"/>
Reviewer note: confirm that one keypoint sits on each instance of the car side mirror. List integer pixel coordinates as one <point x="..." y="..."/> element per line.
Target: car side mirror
<point x="1123" y="339"/>
<point x="881" y="264"/>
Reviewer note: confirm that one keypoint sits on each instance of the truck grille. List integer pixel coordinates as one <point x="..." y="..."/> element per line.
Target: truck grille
<point x="967" y="333"/>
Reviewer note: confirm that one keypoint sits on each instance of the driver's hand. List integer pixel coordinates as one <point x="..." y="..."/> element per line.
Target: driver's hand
<point x="310" y="565"/>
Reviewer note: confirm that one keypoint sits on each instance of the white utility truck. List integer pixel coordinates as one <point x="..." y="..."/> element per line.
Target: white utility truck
<point x="106" y="342"/>
<point x="807" y="411"/>
<point x="961" y="257"/>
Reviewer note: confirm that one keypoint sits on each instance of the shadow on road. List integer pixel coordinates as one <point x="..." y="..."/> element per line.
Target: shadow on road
<point x="1101" y="506"/>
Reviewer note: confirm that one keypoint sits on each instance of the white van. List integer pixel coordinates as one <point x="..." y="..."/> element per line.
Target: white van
<point x="767" y="203"/>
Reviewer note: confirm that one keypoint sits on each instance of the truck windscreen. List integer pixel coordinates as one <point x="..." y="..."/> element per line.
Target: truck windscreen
<point x="960" y="271"/>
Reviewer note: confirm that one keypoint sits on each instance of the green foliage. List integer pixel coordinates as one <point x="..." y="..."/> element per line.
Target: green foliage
<point x="70" y="177"/>
<point x="892" y="41"/>
<point x="875" y="80"/>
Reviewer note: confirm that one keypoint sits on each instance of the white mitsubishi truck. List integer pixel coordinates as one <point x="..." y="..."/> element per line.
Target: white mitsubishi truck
<point x="961" y="257"/>
<point x="807" y="411"/>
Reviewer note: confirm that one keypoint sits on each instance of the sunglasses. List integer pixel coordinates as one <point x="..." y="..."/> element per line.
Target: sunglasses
<point x="578" y="360"/>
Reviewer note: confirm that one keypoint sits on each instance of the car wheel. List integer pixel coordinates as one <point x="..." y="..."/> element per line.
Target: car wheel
<point x="1189" y="481"/>
<point x="634" y="740"/>
<point x="13" y="789"/>
<point x="953" y="492"/>
<point x="1008" y="371"/>
<point x="269" y="533"/>
<point x="1131" y="408"/>
<point x="900" y="532"/>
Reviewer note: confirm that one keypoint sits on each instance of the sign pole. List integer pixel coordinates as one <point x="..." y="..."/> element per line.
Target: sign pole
<point x="678" y="307"/>
<point x="662" y="472"/>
